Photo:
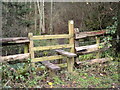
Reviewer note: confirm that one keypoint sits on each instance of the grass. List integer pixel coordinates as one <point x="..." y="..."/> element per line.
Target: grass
<point x="95" y="76"/>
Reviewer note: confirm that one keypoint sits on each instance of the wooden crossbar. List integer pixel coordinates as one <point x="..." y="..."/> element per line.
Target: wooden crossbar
<point x="51" y="36"/>
<point x="79" y="35"/>
<point x="47" y="58"/>
<point x="52" y="47"/>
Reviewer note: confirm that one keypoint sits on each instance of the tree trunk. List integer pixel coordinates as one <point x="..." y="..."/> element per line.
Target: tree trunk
<point x="39" y="16"/>
<point x="43" y="26"/>
<point x="35" y="17"/>
<point x="118" y="30"/>
<point x="51" y="19"/>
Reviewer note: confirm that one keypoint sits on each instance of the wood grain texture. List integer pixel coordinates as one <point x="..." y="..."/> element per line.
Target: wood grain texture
<point x="70" y="61"/>
<point x="52" y="47"/>
<point x="79" y="35"/>
<point x="3" y="40"/>
<point x="47" y="58"/>
<point x="19" y="57"/>
<point x="50" y="65"/>
<point x="31" y="45"/>
<point x="93" y="61"/>
<point x="88" y="48"/>
<point x="51" y="36"/>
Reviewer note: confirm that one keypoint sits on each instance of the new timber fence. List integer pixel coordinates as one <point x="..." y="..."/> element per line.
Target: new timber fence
<point x="75" y="49"/>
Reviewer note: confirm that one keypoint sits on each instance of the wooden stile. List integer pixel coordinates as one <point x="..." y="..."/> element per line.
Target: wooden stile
<point x="70" y="59"/>
<point x="71" y="56"/>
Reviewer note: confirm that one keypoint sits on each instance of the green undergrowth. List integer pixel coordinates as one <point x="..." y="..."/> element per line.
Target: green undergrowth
<point x="23" y="75"/>
<point x="87" y="76"/>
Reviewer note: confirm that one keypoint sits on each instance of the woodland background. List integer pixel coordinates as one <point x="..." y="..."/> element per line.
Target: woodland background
<point x="20" y="18"/>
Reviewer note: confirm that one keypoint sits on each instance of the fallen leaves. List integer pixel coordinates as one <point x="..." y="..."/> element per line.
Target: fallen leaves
<point x="50" y="84"/>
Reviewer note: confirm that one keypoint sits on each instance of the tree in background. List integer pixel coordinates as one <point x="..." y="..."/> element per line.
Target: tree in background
<point x="16" y="18"/>
<point x="20" y="18"/>
<point x="42" y="17"/>
<point x="118" y="30"/>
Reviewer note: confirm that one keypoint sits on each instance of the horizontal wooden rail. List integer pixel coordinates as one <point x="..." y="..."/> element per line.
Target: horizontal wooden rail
<point x="79" y="35"/>
<point x="48" y="58"/>
<point x="90" y="49"/>
<point x="51" y="36"/>
<point x="19" y="57"/>
<point x="16" y="42"/>
<point x="93" y="61"/>
<point x="65" y="53"/>
<point x="24" y="40"/>
<point x="52" y="47"/>
<point x="12" y="39"/>
<point x="87" y="48"/>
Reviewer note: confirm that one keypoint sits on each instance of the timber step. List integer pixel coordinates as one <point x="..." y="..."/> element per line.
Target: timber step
<point x="50" y="65"/>
<point x="65" y="53"/>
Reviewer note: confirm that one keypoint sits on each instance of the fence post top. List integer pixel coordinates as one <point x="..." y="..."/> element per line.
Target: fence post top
<point x="30" y="34"/>
<point x="71" y="22"/>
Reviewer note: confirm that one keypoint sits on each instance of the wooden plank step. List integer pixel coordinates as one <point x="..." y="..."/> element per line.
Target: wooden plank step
<point x="50" y="65"/>
<point x="101" y="60"/>
<point x="65" y="53"/>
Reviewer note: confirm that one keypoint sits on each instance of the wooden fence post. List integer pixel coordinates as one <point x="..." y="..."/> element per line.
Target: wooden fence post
<point x="98" y="42"/>
<point x="76" y="30"/>
<point x="70" y="61"/>
<point x="26" y="47"/>
<point x="30" y="35"/>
